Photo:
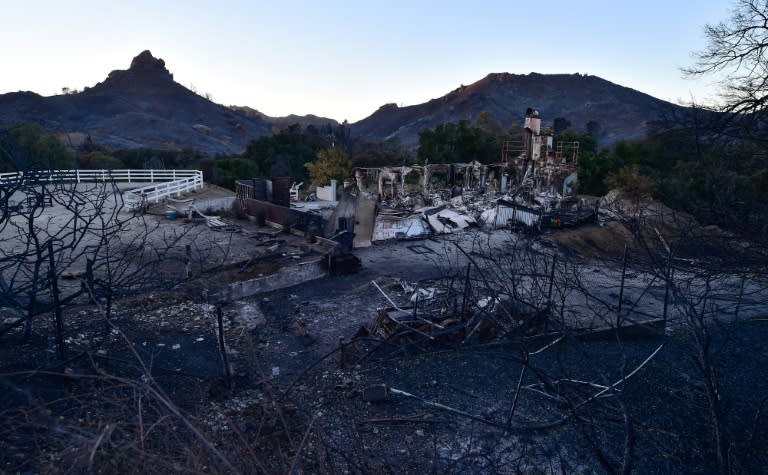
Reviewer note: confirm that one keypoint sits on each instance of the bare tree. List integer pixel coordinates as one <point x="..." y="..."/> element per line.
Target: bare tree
<point x="737" y="48"/>
<point x="50" y="228"/>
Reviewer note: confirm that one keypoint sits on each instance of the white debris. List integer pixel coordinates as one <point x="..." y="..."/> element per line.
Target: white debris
<point x="423" y="294"/>
<point x="251" y="317"/>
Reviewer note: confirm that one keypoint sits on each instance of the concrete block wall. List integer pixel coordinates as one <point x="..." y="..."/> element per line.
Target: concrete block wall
<point x="287" y="276"/>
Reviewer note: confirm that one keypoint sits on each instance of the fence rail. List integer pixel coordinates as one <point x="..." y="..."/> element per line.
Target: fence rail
<point x="165" y="183"/>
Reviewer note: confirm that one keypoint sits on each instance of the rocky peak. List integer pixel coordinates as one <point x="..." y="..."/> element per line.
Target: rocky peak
<point x="144" y="67"/>
<point x="146" y="62"/>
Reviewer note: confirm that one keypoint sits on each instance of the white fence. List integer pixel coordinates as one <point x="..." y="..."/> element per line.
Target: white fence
<point x="165" y="183"/>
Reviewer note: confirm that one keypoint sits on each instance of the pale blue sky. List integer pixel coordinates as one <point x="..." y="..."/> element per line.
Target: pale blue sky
<point x="344" y="59"/>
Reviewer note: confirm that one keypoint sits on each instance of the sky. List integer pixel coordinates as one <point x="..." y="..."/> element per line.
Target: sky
<point x="344" y="59"/>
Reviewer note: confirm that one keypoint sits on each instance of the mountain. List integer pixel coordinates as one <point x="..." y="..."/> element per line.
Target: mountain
<point x="139" y="107"/>
<point x="144" y="107"/>
<point x="288" y="120"/>
<point x="621" y="112"/>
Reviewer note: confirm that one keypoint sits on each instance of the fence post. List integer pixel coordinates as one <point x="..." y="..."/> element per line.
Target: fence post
<point x="151" y="175"/>
<point x="621" y="290"/>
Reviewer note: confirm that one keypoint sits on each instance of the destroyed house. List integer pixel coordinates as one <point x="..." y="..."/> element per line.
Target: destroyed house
<point x="533" y="186"/>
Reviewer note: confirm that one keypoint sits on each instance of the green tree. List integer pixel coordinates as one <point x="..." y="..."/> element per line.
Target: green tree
<point x="98" y="160"/>
<point x="224" y="172"/>
<point x="629" y="180"/>
<point x="488" y="124"/>
<point x="26" y="146"/>
<point x="587" y="143"/>
<point x="284" y="153"/>
<point x="374" y="153"/>
<point x="593" y="169"/>
<point x="331" y="163"/>
<point x="457" y="142"/>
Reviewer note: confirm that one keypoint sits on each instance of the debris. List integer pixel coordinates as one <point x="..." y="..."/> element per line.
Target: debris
<point x="250" y="317"/>
<point x="423" y="294"/>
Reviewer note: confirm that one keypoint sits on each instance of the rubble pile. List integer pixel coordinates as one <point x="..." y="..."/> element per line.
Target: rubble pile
<point x="443" y="311"/>
<point x="534" y="186"/>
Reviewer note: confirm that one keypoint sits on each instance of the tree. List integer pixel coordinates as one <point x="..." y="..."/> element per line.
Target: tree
<point x="331" y="164"/>
<point x="587" y="143"/>
<point x="457" y="142"/>
<point x="629" y="180"/>
<point x="367" y="152"/>
<point x="738" y="48"/>
<point x="593" y="169"/>
<point x="488" y="124"/>
<point x="98" y="160"/>
<point x="26" y="146"/>
<point x="290" y="149"/>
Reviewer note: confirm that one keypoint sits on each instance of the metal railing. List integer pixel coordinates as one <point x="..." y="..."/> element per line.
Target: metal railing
<point x="165" y="183"/>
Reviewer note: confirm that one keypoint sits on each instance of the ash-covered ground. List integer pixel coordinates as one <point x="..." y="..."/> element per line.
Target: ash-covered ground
<point x="303" y="383"/>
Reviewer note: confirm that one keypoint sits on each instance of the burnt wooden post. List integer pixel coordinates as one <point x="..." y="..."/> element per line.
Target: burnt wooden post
<point x="222" y="348"/>
<point x="621" y="289"/>
<point x="60" y="349"/>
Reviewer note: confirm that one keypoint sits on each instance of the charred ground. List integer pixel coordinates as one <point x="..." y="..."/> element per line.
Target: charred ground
<point x="148" y="390"/>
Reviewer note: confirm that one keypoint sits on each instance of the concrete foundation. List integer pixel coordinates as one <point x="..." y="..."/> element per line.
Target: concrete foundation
<point x="287" y="276"/>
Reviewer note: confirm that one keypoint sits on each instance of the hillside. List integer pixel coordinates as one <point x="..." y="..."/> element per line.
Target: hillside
<point x="288" y="120"/>
<point x="139" y="107"/>
<point x="144" y="107"/>
<point x="621" y="112"/>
